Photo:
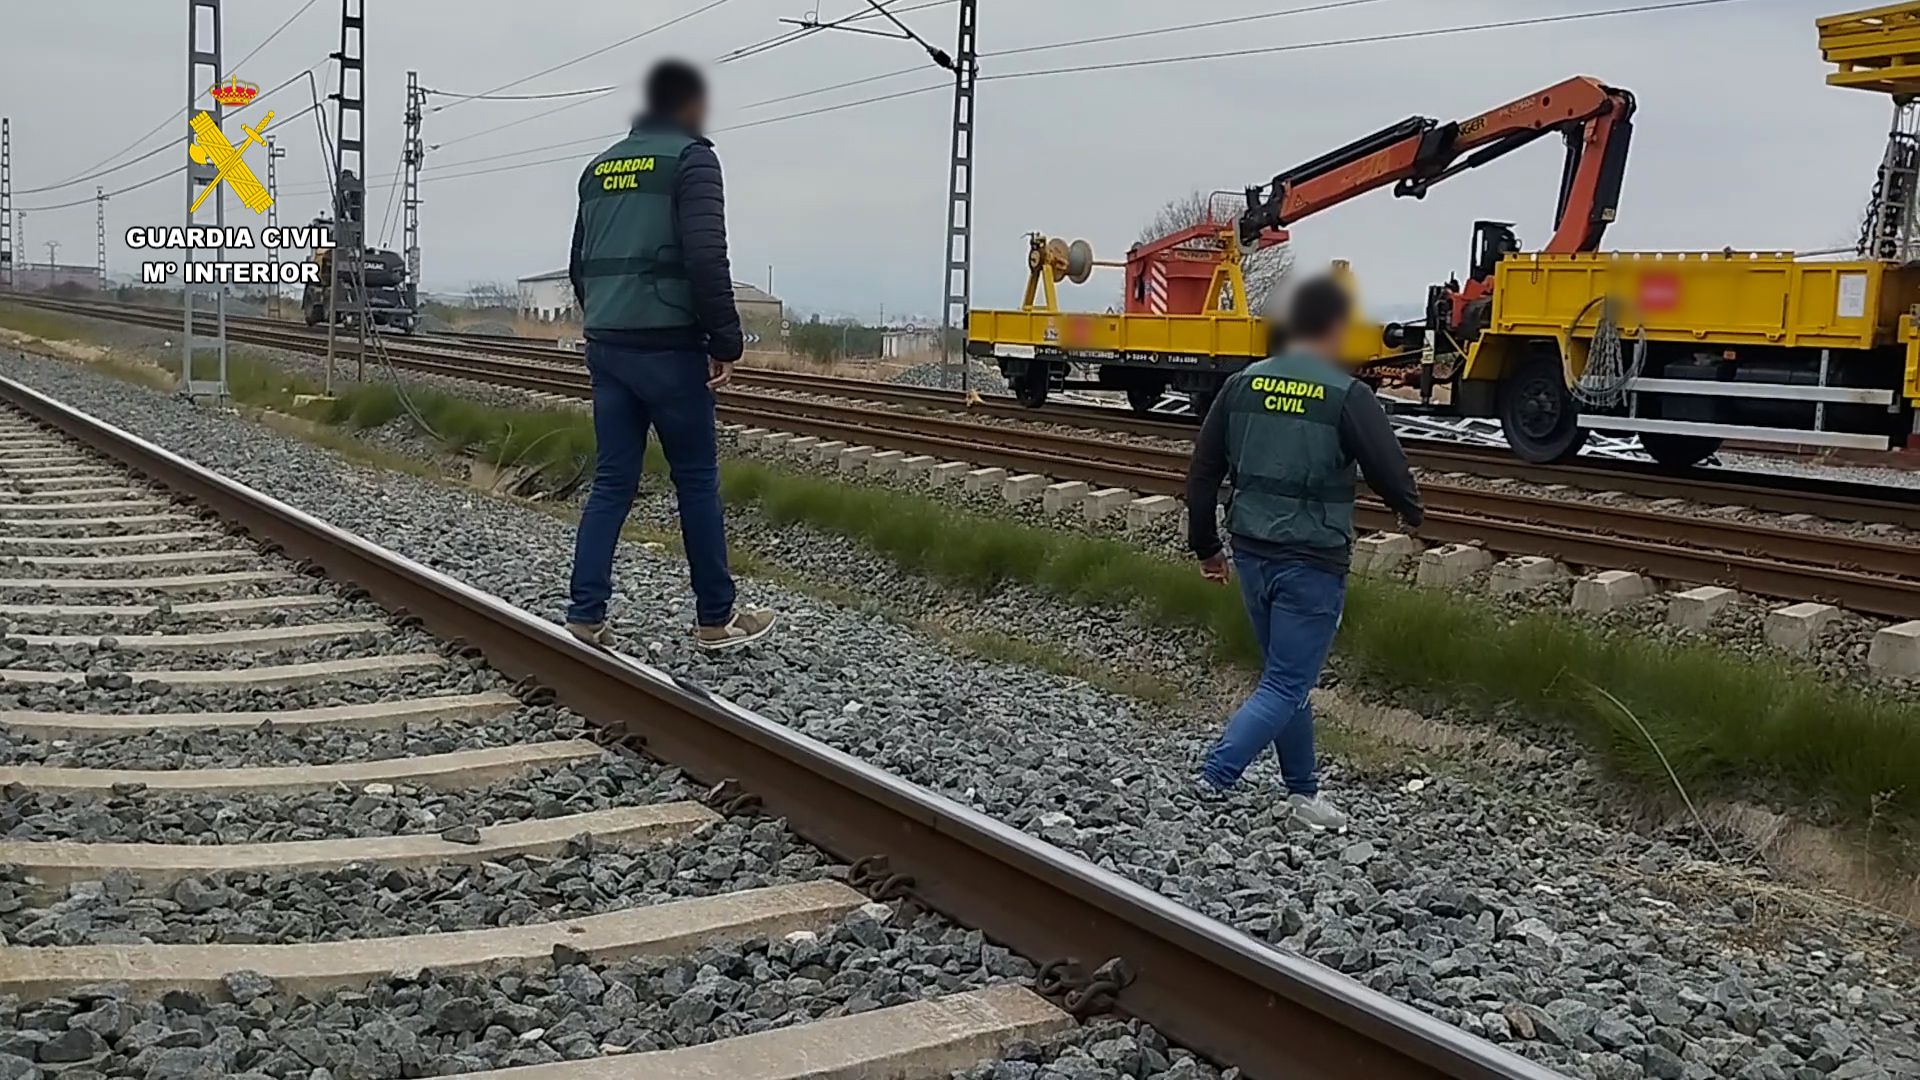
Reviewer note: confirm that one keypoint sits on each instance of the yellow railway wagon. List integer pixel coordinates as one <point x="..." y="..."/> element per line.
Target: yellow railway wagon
<point x="1700" y="347"/>
<point x="1142" y="354"/>
<point x="1101" y="336"/>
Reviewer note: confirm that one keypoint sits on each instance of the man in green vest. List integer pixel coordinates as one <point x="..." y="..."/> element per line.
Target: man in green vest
<point x="655" y="290"/>
<point x="1290" y="433"/>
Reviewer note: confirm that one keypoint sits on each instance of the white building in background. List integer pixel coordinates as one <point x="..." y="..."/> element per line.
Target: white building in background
<point x="546" y="297"/>
<point x="897" y="342"/>
<point x="549" y="297"/>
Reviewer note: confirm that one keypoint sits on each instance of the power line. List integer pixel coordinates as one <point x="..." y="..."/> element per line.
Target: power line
<point x="178" y="113"/>
<point x="914" y="70"/>
<point x="1370" y="39"/>
<point x="590" y="93"/>
<point x="1330" y="5"/>
<point x="88" y="201"/>
<point x="1668" y="5"/>
<point x="796" y="34"/>
<point x="516" y="123"/>
<point x="654" y="29"/>
<point x="523" y="97"/>
<point x="165" y="146"/>
<point x="144" y="183"/>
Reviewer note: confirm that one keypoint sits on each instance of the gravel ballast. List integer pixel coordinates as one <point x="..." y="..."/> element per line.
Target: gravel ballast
<point x="368" y="901"/>
<point x="418" y="1023"/>
<point x="154" y="817"/>
<point x="1510" y="905"/>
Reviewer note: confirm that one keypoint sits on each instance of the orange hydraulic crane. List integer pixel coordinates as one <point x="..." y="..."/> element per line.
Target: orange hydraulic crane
<point x="1596" y="121"/>
<point x="1174" y="333"/>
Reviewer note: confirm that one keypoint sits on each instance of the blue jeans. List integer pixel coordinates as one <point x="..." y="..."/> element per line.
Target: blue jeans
<point x="633" y="390"/>
<point x="1295" y="608"/>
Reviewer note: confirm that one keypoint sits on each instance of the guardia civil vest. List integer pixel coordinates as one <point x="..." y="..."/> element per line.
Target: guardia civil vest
<point x="1293" y="483"/>
<point x="633" y="276"/>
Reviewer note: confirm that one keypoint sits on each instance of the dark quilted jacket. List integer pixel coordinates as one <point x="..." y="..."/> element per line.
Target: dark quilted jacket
<point x="700" y="218"/>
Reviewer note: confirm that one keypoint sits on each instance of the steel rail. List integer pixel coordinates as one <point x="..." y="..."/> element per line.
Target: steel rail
<point x="1206" y="986"/>
<point x="1778" y="493"/>
<point x="1866" y="576"/>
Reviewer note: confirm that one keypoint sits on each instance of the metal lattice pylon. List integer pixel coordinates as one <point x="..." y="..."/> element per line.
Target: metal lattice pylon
<point x="100" y="234"/>
<point x="957" y="279"/>
<point x="6" y="203"/>
<point x="414" y="155"/>
<point x="350" y="189"/>
<point x="204" y="68"/>
<point x="274" y="154"/>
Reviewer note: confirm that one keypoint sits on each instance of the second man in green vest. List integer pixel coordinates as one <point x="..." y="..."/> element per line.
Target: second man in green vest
<point x="1291" y="434"/>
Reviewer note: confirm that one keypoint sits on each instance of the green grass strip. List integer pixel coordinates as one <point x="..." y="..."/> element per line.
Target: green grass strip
<point x="1725" y="723"/>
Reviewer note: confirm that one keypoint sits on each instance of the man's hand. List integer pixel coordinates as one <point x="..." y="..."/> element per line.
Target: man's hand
<point x="1215" y="568"/>
<point x="721" y="372"/>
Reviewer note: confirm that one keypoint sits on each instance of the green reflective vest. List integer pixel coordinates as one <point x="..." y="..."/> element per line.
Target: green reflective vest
<point x="633" y="276"/>
<point x="1293" y="483"/>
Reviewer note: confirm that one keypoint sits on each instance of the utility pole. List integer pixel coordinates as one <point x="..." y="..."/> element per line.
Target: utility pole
<point x="53" y="254"/>
<point x="274" y="154"/>
<point x="349" y="190"/>
<point x="964" y="62"/>
<point x="413" y="157"/>
<point x="20" y="239"/>
<point x="958" y="277"/>
<point x="203" y="54"/>
<point x="100" y="235"/>
<point x="6" y="203"/>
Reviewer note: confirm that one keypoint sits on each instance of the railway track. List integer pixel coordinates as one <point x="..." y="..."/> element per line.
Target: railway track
<point x="1867" y="576"/>
<point x="390" y="825"/>
<point x="549" y="369"/>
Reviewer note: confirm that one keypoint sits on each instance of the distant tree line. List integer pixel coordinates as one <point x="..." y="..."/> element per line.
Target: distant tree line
<point x="839" y="339"/>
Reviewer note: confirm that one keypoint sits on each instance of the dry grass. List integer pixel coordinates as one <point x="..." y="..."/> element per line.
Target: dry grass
<point x="1390" y="726"/>
<point x="870" y="370"/>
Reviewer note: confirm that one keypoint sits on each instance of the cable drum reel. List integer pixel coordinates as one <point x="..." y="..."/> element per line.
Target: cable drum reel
<point x="1069" y="261"/>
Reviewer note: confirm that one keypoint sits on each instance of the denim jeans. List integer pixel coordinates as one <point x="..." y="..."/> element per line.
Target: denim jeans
<point x="1295" y="608"/>
<point x="632" y="390"/>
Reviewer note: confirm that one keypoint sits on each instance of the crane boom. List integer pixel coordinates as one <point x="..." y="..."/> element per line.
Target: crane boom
<point x="1415" y="154"/>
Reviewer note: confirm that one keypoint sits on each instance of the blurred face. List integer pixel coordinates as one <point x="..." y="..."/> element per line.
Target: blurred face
<point x="694" y="115"/>
<point x="1329" y="343"/>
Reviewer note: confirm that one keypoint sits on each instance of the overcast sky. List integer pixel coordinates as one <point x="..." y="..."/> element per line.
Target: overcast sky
<point x="1738" y="141"/>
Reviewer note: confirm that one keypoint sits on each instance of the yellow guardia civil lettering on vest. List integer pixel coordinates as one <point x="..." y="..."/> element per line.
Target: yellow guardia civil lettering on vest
<point x="1287" y="395"/>
<point x="618" y="173"/>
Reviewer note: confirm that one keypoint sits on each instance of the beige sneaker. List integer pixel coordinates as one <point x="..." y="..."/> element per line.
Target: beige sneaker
<point x="595" y="634"/>
<point x="748" y="625"/>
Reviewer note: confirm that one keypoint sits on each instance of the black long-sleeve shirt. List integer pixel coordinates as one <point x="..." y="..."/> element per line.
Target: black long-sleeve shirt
<point x="700" y="225"/>
<point x="1366" y="435"/>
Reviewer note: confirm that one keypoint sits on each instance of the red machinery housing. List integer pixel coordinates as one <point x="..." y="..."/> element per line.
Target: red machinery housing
<point x="1171" y="275"/>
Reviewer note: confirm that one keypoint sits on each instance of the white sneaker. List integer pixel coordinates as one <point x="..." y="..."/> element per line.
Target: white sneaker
<point x="1316" y="813"/>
